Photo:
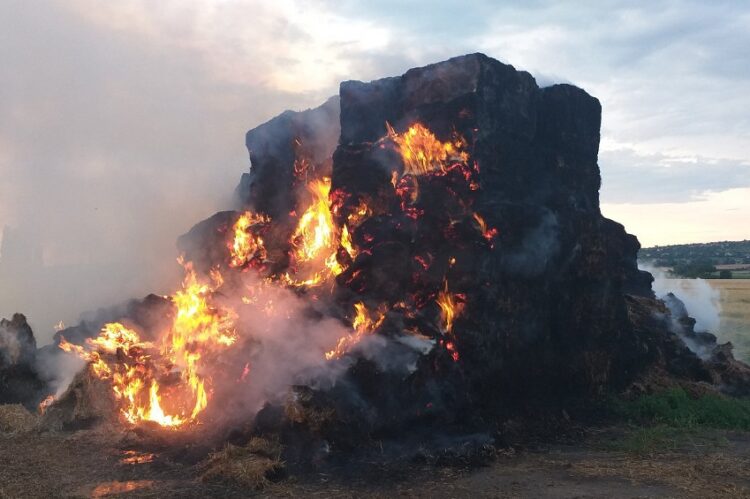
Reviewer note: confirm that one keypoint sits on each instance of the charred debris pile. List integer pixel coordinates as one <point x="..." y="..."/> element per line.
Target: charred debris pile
<point x="424" y="252"/>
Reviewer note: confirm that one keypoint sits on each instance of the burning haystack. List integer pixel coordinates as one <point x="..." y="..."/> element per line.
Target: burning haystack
<point x="422" y="252"/>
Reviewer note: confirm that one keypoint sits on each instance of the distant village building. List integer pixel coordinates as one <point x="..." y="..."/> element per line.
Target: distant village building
<point x="734" y="266"/>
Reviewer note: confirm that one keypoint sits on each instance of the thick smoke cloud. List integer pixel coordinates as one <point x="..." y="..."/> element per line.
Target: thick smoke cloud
<point x="111" y="146"/>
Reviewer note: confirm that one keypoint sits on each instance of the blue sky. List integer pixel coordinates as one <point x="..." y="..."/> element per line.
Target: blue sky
<point x="122" y="122"/>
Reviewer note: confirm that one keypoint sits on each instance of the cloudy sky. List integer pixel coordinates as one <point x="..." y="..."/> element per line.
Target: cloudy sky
<point x="122" y="122"/>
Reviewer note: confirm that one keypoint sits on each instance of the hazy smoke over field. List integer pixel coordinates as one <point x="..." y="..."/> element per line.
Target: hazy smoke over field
<point x="700" y="299"/>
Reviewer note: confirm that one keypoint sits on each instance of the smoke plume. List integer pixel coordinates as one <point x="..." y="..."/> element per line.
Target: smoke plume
<point x="701" y="300"/>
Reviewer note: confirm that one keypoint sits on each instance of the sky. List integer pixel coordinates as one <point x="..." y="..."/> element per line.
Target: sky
<point x="122" y="122"/>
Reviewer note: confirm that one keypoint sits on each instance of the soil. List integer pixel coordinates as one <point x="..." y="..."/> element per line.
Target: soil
<point x="83" y="464"/>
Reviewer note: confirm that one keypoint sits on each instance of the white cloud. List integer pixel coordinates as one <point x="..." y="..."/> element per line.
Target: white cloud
<point x="718" y="216"/>
<point x="630" y="177"/>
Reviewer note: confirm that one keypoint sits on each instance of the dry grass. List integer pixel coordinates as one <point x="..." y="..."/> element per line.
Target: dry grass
<point x="14" y="418"/>
<point x="715" y="475"/>
<point x="735" y="314"/>
<point x="251" y="466"/>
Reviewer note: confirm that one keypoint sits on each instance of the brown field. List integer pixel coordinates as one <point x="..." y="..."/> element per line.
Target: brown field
<point x="735" y="314"/>
<point x="88" y="463"/>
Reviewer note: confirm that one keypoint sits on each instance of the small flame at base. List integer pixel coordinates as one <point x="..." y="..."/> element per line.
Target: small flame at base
<point x="364" y="323"/>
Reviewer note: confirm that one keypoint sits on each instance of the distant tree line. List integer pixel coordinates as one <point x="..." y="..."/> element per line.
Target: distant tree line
<point x="699" y="260"/>
<point x="698" y="268"/>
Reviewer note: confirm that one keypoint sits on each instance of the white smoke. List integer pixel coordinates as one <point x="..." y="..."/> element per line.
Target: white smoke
<point x="57" y="368"/>
<point x="283" y="341"/>
<point x="701" y="300"/>
<point x="540" y="245"/>
<point x="10" y="347"/>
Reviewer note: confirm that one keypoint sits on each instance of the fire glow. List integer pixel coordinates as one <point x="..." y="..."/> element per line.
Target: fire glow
<point x="423" y="153"/>
<point x="167" y="381"/>
<point x="142" y="374"/>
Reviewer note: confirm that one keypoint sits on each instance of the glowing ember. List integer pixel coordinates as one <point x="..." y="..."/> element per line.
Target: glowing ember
<point x="451" y="347"/>
<point x="489" y="233"/>
<point x="364" y="323"/>
<point x="359" y="214"/>
<point x="115" y="488"/>
<point x="422" y="152"/>
<point x="135" y="457"/>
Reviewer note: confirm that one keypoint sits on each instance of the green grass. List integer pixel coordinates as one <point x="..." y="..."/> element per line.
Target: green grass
<point x="671" y="419"/>
<point x="677" y="409"/>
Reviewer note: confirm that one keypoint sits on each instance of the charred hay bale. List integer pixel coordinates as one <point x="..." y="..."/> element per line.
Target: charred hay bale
<point x="19" y="380"/>
<point x="17" y="342"/>
<point x="545" y="312"/>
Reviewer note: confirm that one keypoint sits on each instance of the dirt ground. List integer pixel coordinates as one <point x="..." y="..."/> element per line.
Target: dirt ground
<point x="82" y="464"/>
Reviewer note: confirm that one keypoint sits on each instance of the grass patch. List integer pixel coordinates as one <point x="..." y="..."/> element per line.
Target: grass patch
<point x="641" y="440"/>
<point x="675" y="408"/>
<point x="672" y="419"/>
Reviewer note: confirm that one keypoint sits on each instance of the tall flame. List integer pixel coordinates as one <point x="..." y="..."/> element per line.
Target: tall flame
<point x="199" y="329"/>
<point x="316" y="240"/>
<point x="315" y="233"/>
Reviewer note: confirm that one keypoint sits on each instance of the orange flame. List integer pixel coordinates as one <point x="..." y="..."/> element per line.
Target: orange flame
<point x="44" y="404"/>
<point x="134" y="367"/>
<point x="422" y="152"/>
<point x="450" y="307"/>
<point x="316" y="240"/>
<point x="109" y="489"/>
<point x="346" y="242"/>
<point x="315" y="233"/>
<point x="168" y="381"/>
<point x="364" y="323"/>
<point x="359" y="214"/>
<point x="246" y="244"/>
